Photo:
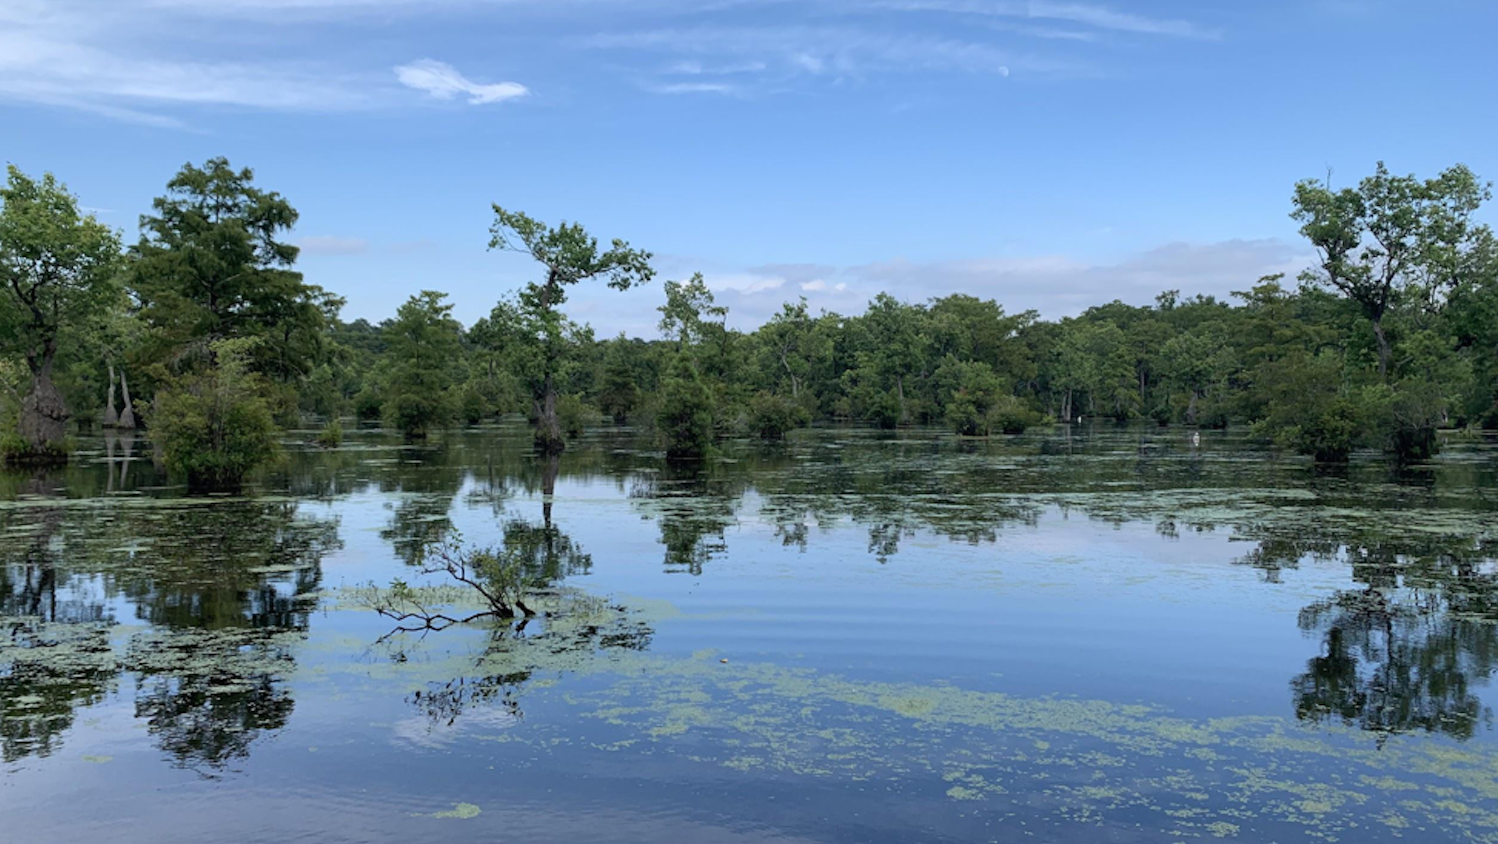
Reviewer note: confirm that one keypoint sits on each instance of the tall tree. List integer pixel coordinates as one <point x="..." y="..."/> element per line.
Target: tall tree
<point x="568" y="255"/>
<point x="1389" y="237"/>
<point x="211" y="265"/>
<point x="57" y="267"/>
<point x="425" y="346"/>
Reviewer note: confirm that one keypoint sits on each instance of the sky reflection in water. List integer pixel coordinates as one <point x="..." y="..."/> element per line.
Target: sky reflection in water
<point x="1057" y="637"/>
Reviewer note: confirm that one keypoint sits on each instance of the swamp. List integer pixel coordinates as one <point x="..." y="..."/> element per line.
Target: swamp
<point x="1082" y="633"/>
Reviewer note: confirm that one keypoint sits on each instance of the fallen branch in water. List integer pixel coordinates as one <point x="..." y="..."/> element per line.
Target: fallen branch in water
<point x="497" y="577"/>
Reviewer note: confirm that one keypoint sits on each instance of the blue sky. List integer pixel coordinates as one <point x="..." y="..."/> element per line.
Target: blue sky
<point x="1052" y="155"/>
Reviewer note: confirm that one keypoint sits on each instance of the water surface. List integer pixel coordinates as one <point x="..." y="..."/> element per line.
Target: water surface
<point x="1076" y="635"/>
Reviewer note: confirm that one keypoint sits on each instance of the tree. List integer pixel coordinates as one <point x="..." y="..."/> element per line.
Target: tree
<point x="1389" y="238"/>
<point x="210" y="265"/>
<point x="425" y="349"/>
<point x="57" y="267"/>
<point x="568" y="255"/>
<point x="619" y="392"/>
<point x="685" y="419"/>
<point x="1196" y="362"/>
<point x="887" y="359"/>
<point x="689" y="311"/>
<point x="969" y="390"/>
<point x="792" y="341"/>
<point x="1310" y="409"/>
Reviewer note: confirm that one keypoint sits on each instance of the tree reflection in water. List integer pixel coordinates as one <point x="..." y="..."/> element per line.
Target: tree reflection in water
<point x="572" y="626"/>
<point x="1407" y="651"/>
<point x="227" y="588"/>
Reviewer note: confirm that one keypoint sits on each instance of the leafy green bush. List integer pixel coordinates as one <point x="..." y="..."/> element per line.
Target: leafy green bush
<point x="368" y="404"/>
<point x="772" y="415"/>
<point x="16" y="450"/>
<point x="1408" y="414"/>
<point x="331" y="435"/>
<point x="882" y="410"/>
<point x="1309" y="409"/>
<point x="574" y="414"/>
<point x="215" y="427"/>
<point x="1009" y="415"/>
<point x="474" y="406"/>
<point x="684" y="419"/>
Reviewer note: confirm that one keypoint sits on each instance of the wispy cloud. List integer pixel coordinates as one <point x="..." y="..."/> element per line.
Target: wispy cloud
<point x="694" y="88"/>
<point x="817" y="50"/>
<point x="1083" y="14"/>
<point x="161" y="62"/>
<point x="129" y="63"/>
<point x="444" y="82"/>
<point x="1055" y="285"/>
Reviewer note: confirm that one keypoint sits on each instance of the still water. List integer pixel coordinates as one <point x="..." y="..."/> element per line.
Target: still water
<point x="1081" y="635"/>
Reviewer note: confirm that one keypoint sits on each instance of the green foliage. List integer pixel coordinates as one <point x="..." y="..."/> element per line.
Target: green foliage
<point x="1309" y="409"/>
<point x="684" y="420"/>
<point x="1393" y="239"/>
<point x="970" y="389"/>
<point x="474" y="405"/>
<point x="214" y="427"/>
<point x="772" y="415"/>
<point x="1407" y="416"/>
<point x="210" y="265"/>
<point x="568" y="255"/>
<point x="1392" y="338"/>
<point x="1009" y="415"/>
<point x="369" y="404"/>
<point x="331" y="435"/>
<point x="619" y="394"/>
<point x="57" y="281"/>
<point x="574" y="414"/>
<point x="425" y="350"/>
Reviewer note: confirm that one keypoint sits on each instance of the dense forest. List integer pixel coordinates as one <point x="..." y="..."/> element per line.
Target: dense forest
<point x="203" y="333"/>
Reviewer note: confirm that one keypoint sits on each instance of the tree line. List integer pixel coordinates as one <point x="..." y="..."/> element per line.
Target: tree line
<point x="204" y="332"/>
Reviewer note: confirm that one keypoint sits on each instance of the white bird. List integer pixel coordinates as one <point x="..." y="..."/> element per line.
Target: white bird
<point x="1196" y="438"/>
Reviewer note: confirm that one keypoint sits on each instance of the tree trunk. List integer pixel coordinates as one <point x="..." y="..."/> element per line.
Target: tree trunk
<point x="1191" y="410"/>
<point x="549" y="438"/>
<point x="127" y="415"/>
<point x="44" y="416"/>
<point x="1383" y="349"/>
<point x="900" y="391"/>
<point x="111" y="416"/>
<point x="548" y="430"/>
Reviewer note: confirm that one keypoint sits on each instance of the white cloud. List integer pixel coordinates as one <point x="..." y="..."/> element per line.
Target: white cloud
<point x="694" y="88"/>
<point x="827" y="50"/>
<point x="1083" y="14"/>
<point x="1058" y="286"/>
<point x="444" y="82"/>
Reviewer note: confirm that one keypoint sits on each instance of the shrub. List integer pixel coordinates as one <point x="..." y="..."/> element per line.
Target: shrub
<point x="16" y="450"/>
<point x="1009" y="415"/>
<point x="475" y="407"/>
<point x="1409" y="414"/>
<point x="416" y="407"/>
<point x="772" y="415"/>
<point x="331" y="435"/>
<point x="574" y="414"/>
<point x="215" y="427"/>
<point x="1309" y="410"/>
<point x="368" y="405"/>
